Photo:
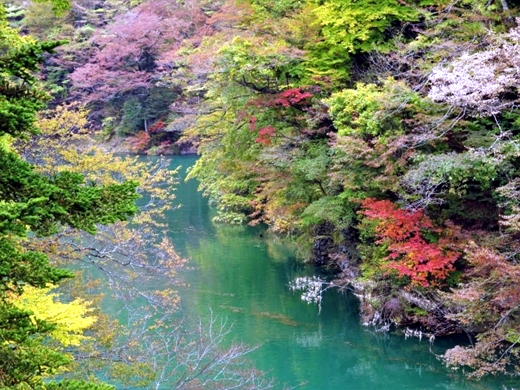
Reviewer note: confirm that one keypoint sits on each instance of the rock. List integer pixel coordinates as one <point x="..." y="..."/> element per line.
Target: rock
<point x="323" y="246"/>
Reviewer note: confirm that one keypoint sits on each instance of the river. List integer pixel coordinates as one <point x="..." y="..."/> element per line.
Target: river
<point x="242" y="273"/>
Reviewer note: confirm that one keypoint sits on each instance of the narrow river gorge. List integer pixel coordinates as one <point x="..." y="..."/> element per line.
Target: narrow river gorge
<point x="242" y="273"/>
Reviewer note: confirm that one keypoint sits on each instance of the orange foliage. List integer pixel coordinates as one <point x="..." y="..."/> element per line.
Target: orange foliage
<point x="157" y="126"/>
<point x="138" y="142"/>
<point x="410" y="254"/>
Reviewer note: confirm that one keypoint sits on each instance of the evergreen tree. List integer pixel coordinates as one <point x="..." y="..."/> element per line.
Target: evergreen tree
<point x="35" y="204"/>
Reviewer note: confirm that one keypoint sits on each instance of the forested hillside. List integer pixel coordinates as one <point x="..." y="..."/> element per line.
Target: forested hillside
<point x="71" y="233"/>
<point x="382" y="136"/>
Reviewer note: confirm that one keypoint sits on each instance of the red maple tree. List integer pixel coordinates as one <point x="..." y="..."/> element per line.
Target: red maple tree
<point x="294" y="98"/>
<point x="426" y="263"/>
<point x="265" y="135"/>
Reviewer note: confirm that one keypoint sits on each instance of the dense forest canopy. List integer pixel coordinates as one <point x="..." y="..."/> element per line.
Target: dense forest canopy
<point x="66" y="202"/>
<point x="382" y="136"/>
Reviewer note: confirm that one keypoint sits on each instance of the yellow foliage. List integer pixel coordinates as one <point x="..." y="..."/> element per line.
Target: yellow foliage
<point x="66" y="143"/>
<point x="71" y="319"/>
<point x="42" y="21"/>
<point x="10" y="37"/>
<point x="5" y="143"/>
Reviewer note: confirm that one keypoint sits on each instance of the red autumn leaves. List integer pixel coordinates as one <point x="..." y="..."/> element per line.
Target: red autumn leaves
<point x="426" y="262"/>
<point x="295" y="98"/>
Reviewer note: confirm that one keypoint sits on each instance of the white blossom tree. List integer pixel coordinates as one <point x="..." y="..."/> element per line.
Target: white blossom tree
<point x="483" y="83"/>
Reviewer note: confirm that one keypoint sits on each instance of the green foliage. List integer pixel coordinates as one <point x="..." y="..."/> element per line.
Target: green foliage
<point x="77" y="385"/>
<point x="329" y="209"/>
<point x="417" y="311"/>
<point x="20" y="96"/>
<point x="263" y="65"/>
<point x="231" y="193"/>
<point x="328" y="65"/>
<point x="232" y="208"/>
<point x="134" y="116"/>
<point x="355" y="109"/>
<point x="372" y="268"/>
<point x="58" y="6"/>
<point x="360" y="26"/>
<point x="41" y="19"/>
<point x="350" y="27"/>
<point x="45" y="202"/>
<point x="21" y="267"/>
<point x="454" y="172"/>
<point x="370" y="110"/>
<point x="35" y="204"/>
<point x="279" y="8"/>
<point x="139" y="113"/>
<point x="22" y="353"/>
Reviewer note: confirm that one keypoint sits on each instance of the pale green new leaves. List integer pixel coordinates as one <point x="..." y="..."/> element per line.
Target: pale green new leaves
<point x="372" y="110"/>
<point x="359" y="25"/>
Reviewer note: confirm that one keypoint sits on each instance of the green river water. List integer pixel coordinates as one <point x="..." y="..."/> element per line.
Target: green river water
<point x="242" y="273"/>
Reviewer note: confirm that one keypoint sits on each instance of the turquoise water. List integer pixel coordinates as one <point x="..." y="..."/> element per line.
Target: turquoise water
<point x="242" y="273"/>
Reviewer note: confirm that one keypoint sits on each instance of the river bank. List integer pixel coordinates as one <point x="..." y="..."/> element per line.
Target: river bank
<point x="243" y="273"/>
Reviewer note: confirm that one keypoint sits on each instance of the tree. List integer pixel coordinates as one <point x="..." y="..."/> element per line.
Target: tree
<point x="152" y="348"/>
<point x="487" y="303"/>
<point x="132" y="52"/>
<point x="70" y="319"/>
<point x="345" y="28"/>
<point x="483" y="83"/>
<point x="401" y="233"/>
<point x="118" y="250"/>
<point x="21" y="96"/>
<point x="36" y="204"/>
<point x="360" y="26"/>
<point x="190" y="354"/>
